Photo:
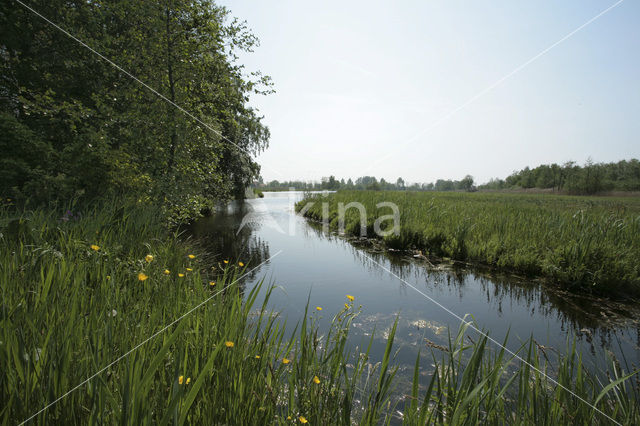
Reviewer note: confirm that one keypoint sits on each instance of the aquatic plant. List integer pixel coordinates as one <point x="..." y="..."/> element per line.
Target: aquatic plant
<point x="84" y="340"/>
<point x="583" y="243"/>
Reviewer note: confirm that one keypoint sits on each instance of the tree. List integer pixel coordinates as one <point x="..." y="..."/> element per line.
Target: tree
<point x="96" y="131"/>
<point x="467" y="183"/>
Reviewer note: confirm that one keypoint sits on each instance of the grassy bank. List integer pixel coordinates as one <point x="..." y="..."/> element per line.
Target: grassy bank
<point x="80" y="291"/>
<point x="590" y="244"/>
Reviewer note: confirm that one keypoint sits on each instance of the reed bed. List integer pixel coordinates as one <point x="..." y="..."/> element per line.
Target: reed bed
<point x="82" y="291"/>
<point x="587" y="244"/>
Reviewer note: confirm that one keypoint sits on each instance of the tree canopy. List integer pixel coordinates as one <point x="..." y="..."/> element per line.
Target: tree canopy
<point x="74" y="126"/>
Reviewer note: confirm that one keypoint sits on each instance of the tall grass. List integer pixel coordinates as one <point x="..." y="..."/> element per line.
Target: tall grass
<point x="70" y="310"/>
<point x="475" y="384"/>
<point x="583" y="243"/>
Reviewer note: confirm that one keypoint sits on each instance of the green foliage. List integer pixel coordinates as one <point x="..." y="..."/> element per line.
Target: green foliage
<point x="586" y="244"/>
<point x="574" y="179"/>
<point x="75" y="127"/>
<point x="473" y="384"/>
<point x="69" y="310"/>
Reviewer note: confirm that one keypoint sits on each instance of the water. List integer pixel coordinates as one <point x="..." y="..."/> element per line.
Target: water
<point x="324" y="268"/>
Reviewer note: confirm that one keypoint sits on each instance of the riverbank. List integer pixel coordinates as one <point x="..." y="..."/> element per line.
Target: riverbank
<point x="585" y="244"/>
<point x="108" y="293"/>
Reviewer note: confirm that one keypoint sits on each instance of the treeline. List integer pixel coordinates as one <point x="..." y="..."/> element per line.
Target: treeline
<point x="574" y="179"/>
<point x="368" y="183"/>
<point x="569" y="178"/>
<point x="72" y="126"/>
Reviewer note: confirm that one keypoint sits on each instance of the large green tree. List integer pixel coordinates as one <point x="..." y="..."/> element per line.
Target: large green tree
<point x="75" y="126"/>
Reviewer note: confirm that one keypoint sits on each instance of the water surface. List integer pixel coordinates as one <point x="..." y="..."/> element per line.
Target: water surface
<point x="324" y="268"/>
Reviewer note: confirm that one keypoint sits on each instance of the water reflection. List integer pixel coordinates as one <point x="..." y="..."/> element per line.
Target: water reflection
<point x="222" y="237"/>
<point x="598" y="322"/>
<point x="325" y="267"/>
<point x="575" y="310"/>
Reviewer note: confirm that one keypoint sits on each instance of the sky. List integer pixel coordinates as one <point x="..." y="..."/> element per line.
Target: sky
<point x="441" y="89"/>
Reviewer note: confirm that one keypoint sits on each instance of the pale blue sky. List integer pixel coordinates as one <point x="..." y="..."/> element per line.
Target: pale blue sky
<point x="355" y="81"/>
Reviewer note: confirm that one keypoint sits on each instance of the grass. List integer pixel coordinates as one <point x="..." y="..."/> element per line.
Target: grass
<point x="583" y="243"/>
<point x="474" y="384"/>
<point x="70" y="309"/>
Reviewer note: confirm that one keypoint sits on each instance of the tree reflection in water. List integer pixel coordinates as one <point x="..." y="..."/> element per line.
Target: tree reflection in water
<point x="223" y="239"/>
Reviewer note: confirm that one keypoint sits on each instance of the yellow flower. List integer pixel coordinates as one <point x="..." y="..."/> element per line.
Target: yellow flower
<point x="318" y="308"/>
<point x="302" y="419"/>
<point x="257" y="356"/>
<point x="286" y="361"/>
<point x="108" y="277"/>
<point x="142" y="276"/>
<point x="225" y="261"/>
<point x="181" y="275"/>
<point x="346" y="305"/>
<point x="228" y="344"/>
<point x="350" y="297"/>
<point x="191" y="256"/>
<point x="189" y="269"/>
<point x="95" y="247"/>
<point x="316" y="380"/>
<point x="212" y="283"/>
<point x="188" y="380"/>
<point x="166" y="272"/>
<point x="180" y="379"/>
<point x="288" y="417"/>
<point x="149" y="258"/>
<point x="240" y="263"/>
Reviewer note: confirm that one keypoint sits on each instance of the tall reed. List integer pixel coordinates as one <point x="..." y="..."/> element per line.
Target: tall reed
<point x="587" y="244"/>
<point x="80" y="291"/>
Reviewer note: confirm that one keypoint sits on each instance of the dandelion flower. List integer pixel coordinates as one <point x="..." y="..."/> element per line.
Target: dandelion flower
<point x="142" y="276"/>
<point x="149" y="258"/>
<point x="180" y="379"/>
<point x="191" y="256"/>
<point x="350" y="297"/>
<point x="288" y="417"/>
<point x="166" y="272"/>
<point x="302" y="420"/>
<point x="181" y="275"/>
<point x="316" y="380"/>
<point x="346" y="305"/>
<point x="189" y="269"/>
<point x="240" y="263"/>
<point x="286" y="361"/>
<point x="212" y="283"/>
<point x="318" y="308"/>
<point x="257" y="356"/>
<point x="225" y="261"/>
<point x="229" y="344"/>
<point x="188" y="380"/>
<point x="95" y="247"/>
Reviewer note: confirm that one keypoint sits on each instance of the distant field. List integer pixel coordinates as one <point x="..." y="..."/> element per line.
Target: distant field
<point x="583" y="243"/>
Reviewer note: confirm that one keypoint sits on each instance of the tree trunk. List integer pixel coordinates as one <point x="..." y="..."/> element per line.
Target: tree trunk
<point x="171" y="112"/>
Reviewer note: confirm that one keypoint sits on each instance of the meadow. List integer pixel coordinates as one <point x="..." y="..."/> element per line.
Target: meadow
<point x="108" y="317"/>
<point x="586" y="244"/>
